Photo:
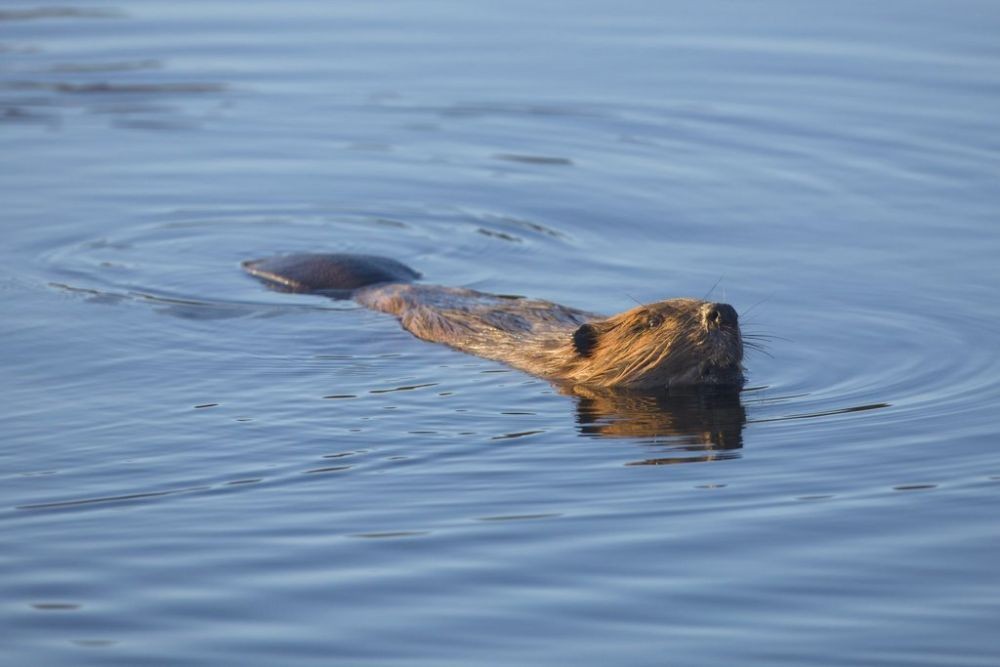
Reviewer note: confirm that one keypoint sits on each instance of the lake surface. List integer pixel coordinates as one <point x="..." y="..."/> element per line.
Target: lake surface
<point x="196" y="470"/>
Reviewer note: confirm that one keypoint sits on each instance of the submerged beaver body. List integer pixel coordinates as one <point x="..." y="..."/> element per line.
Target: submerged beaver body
<point x="672" y="343"/>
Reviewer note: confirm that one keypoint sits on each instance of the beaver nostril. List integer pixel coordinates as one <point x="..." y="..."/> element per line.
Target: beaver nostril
<point x="719" y="315"/>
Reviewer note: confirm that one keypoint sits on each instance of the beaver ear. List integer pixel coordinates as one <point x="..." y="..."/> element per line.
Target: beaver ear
<point x="585" y="339"/>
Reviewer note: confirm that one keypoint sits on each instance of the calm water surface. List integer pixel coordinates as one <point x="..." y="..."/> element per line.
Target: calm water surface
<point x="195" y="470"/>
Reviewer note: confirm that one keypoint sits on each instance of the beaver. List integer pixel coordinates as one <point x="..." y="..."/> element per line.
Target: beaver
<point x="675" y="343"/>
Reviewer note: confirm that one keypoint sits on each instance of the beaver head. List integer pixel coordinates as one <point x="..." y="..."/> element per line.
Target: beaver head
<point x="674" y="343"/>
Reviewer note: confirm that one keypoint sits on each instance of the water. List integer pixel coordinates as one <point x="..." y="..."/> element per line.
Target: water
<point x="196" y="470"/>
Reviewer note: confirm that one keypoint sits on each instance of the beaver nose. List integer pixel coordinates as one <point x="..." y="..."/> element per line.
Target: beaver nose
<point x="717" y="315"/>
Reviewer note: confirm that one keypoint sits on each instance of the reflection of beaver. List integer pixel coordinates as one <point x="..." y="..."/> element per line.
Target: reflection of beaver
<point x="685" y="427"/>
<point x="673" y="343"/>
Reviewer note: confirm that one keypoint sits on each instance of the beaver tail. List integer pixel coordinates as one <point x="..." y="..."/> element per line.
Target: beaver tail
<point x="331" y="274"/>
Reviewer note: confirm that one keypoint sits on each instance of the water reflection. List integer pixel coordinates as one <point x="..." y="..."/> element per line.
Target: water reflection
<point x="700" y="425"/>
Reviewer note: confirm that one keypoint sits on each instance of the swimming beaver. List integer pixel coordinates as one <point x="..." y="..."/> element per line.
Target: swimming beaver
<point x="673" y="343"/>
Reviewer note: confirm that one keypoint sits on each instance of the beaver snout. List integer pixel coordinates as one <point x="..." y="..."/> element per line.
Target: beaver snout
<point x="718" y="316"/>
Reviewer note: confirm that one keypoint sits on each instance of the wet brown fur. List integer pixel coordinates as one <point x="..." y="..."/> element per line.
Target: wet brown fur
<point x="673" y="343"/>
<point x="660" y="345"/>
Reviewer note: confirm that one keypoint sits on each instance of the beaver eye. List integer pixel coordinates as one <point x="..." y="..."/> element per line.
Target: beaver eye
<point x="654" y="321"/>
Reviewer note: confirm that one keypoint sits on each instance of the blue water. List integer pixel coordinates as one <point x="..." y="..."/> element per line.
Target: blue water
<point x="195" y="470"/>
